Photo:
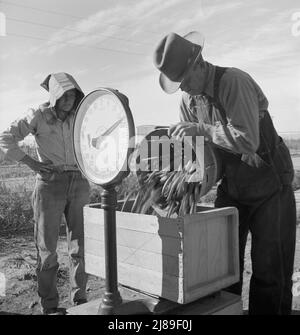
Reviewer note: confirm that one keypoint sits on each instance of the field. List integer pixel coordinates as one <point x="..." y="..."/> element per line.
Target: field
<point x="18" y="255"/>
<point x="296" y="162"/>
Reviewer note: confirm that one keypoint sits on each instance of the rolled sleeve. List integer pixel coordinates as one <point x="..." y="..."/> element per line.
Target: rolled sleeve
<point x="238" y="96"/>
<point x="18" y="130"/>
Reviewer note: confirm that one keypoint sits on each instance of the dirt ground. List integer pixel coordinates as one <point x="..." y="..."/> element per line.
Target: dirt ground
<point x="17" y="263"/>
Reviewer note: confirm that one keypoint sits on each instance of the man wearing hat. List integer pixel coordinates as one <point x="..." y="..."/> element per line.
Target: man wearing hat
<point x="228" y="108"/>
<point x="60" y="187"/>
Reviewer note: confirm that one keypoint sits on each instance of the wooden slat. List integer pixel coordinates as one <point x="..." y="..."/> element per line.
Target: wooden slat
<point x="204" y="289"/>
<point x="157" y="283"/>
<point x="147" y="260"/>
<point x="211" y="213"/>
<point x="214" y="264"/>
<point x="152" y="223"/>
<point x="138" y="222"/>
<point x="195" y="254"/>
<point x="139" y="240"/>
<point x="217" y="236"/>
<point x="164" y="285"/>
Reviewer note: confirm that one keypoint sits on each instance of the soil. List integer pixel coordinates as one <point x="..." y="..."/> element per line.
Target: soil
<point x="17" y="263"/>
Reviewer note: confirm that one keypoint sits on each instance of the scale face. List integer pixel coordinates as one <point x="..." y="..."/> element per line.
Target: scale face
<point x="103" y="133"/>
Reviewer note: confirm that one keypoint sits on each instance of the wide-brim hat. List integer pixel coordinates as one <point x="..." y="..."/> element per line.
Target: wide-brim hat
<point x="174" y="56"/>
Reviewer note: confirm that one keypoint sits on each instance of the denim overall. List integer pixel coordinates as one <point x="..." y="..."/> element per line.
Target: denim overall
<point x="261" y="191"/>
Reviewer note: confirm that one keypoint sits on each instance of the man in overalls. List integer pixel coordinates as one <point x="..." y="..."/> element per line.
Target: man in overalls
<point x="228" y="108"/>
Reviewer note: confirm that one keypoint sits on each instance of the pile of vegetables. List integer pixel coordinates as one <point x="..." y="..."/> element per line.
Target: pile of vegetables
<point x="172" y="191"/>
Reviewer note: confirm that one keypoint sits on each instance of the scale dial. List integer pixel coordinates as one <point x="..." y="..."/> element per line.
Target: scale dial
<point x="102" y="135"/>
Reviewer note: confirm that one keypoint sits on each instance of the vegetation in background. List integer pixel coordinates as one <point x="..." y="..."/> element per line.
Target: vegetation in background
<point x="15" y="209"/>
<point x="17" y="182"/>
<point x="293" y="144"/>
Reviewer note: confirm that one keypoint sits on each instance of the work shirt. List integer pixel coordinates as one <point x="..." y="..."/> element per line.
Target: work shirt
<point x="244" y="103"/>
<point x="53" y="136"/>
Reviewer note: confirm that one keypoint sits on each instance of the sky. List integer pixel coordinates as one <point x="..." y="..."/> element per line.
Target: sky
<point x="111" y="44"/>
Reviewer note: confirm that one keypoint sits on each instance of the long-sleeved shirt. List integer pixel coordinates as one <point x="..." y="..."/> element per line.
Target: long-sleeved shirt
<point x="244" y="103"/>
<point x="53" y="137"/>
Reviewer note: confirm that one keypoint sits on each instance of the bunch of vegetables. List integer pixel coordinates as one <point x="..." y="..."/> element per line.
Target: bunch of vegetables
<point x="174" y="192"/>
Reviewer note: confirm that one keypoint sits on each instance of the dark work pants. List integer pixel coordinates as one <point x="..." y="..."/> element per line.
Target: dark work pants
<point x="269" y="213"/>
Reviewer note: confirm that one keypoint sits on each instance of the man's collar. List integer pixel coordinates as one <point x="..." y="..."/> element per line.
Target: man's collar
<point x="53" y="112"/>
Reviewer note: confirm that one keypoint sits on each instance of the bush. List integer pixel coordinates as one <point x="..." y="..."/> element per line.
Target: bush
<point x="95" y="194"/>
<point x="15" y="210"/>
<point x="296" y="181"/>
<point x="129" y="185"/>
<point x="15" y="171"/>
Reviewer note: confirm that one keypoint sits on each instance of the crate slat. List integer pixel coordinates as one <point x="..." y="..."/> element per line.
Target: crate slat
<point x="145" y="259"/>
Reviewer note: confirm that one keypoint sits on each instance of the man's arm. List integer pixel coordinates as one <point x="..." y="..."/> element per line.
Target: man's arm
<point x="37" y="166"/>
<point x="241" y="134"/>
<point x="17" y="131"/>
<point x="240" y="101"/>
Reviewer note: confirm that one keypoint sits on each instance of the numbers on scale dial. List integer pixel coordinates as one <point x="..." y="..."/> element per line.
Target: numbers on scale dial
<point x="99" y="118"/>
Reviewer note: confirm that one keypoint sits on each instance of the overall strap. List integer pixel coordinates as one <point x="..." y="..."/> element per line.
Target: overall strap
<point x="218" y="75"/>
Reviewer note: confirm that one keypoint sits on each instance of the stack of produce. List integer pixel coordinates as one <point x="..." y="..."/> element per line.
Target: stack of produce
<point x="172" y="191"/>
<point x="170" y="179"/>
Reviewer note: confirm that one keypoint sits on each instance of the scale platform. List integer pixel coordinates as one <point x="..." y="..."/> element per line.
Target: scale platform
<point x="220" y="303"/>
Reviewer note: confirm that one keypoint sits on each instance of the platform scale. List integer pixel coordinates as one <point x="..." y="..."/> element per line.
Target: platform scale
<point x="103" y="137"/>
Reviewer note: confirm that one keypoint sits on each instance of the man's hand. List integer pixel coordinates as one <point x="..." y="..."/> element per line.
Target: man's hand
<point x="182" y="129"/>
<point x="38" y="167"/>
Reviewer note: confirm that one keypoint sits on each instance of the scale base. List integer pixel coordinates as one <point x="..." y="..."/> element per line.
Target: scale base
<point x="221" y="303"/>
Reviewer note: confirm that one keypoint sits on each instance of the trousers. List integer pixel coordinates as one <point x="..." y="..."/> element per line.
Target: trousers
<point x="56" y="194"/>
<point x="267" y="210"/>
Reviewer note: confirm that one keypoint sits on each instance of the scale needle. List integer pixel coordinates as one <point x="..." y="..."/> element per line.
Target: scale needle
<point x="96" y="141"/>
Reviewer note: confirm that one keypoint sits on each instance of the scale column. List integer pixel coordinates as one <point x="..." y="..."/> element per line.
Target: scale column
<point x="112" y="297"/>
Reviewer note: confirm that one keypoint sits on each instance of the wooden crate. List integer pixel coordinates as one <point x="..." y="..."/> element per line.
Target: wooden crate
<point x="180" y="259"/>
